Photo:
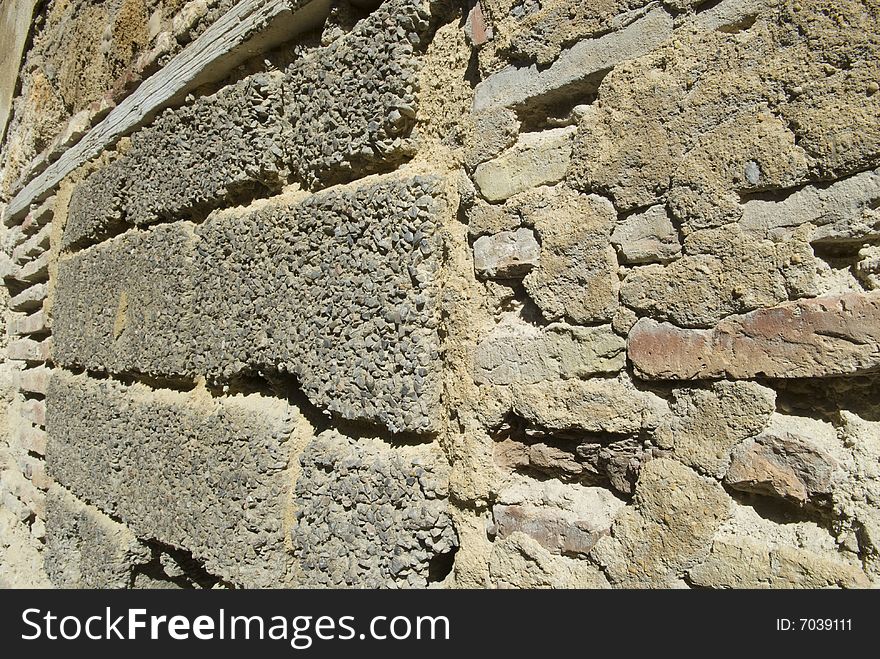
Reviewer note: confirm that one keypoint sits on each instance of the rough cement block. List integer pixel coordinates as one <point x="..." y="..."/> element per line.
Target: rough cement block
<point x="369" y="514"/>
<point x="338" y="289"/>
<point x="207" y="475"/>
<point x="87" y="549"/>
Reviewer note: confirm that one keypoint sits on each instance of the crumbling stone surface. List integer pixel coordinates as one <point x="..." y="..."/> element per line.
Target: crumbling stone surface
<point x="707" y="423"/>
<point x="519" y="294"/>
<point x="87" y="549"/>
<point x="782" y="465"/>
<point x="564" y="519"/>
<point x="238" y="293"/>
<point x="505" y="255"/>
<point x="724" y="272"/>
<point x="722" y="112"/>
<point x="646" y="237"/>
<point x="577" y="276"/>
<point x="371" y="515"/>
<point x="668" y="530"/>
<point x="208" y="475"/>
<point x="535" y="159"/>
<point x="518" y="561"/>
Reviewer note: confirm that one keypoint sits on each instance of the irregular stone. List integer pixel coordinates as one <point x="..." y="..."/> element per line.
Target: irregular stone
<point x="678" y="117"/>
<point x="523" y="354"/>
<point x="868" y="267"/>
<point x="577" y="71"/>
<point x="194" y="472"/>
<point x="577" y="276"/>
<point x="753" y="151"/>
<point x="338" y="288"/>
<point x="620" y="462"/>
<point x="646" y="237"/>
<point x="593" y="405"/>
<point x="725" y="271"/>
<point x="87" y="549"/>
<point x="827" y="336"/>
<point x="369" y="514"/>
<point x="669" y="528"/>
<point x="706" y="424"/>
<point x="565" y="519"/>
<point x="782" y="465"/>
<point x="536" y="159"/>
<point x="541" y="34"/>
<point x="493" y="131"/>
<point x="742" y="562"/>
<point x="837" y="210"/>
<point x="506" y="255"/>
<point x="518" y="561"/>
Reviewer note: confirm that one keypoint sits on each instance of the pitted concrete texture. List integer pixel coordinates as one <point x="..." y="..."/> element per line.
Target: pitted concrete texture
<point x="202" y="474"/>
<point x="338" y="113"/>
<point x="87" y="549"/>
<point x="188" y="162"/>
<point x="371" y="515"/>
<point x="338" y="288"/>
<point x="352" y="105"/>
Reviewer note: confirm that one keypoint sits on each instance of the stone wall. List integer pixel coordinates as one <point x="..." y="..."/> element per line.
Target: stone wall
<point x="425" y="293"/>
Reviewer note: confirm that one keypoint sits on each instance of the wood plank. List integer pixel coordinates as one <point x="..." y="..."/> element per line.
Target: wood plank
<point x="248" y="29"/>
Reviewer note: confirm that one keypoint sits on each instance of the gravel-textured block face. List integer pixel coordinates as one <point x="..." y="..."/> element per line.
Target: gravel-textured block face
<point x="124" y="305"/>
<point x="339" y="289"/>
<point x="191" y="160"/>
<point x="338" y="113"/>
<point x="352" y="105"/>
<point x="370" y="515"/>
<point x="87" y="549"/>
<point x="206" y="475"/>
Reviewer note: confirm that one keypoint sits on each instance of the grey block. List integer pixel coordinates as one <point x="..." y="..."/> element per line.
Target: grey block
<point x="370" y="515"/>
<point x="338" y="289"/>
<point x="87" y="549"/>
<point x="206" y="475"/>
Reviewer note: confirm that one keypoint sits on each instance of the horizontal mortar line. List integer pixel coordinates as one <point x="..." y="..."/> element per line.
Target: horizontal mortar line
<point x="251" y="27"/>
<point x="291" y="193"/>
<point x="295" y="397"/>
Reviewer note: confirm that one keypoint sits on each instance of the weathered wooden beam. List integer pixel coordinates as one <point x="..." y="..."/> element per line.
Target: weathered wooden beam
<point x="250" y="28"/>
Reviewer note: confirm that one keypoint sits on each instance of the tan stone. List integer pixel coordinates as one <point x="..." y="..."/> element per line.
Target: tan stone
<point x="782" y="465"/>
<point x="668" y="530"/>
<point x="577" y="276"/>
<point x="706" y="424"/>
<point x="536" y="159"/>
<point x="725" y="271"/>
<point x="524" y="354"/>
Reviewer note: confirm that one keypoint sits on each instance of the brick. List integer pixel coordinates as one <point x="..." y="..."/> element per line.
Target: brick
<point x="31" y="439"/>
<point x="20" y="324"/>
<point x="821" y="337"/>
<point x="34" y="270"/>
<point x="30" y="299"/>
<point x="33" y="380"/>
<point x="29" y="350"/>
